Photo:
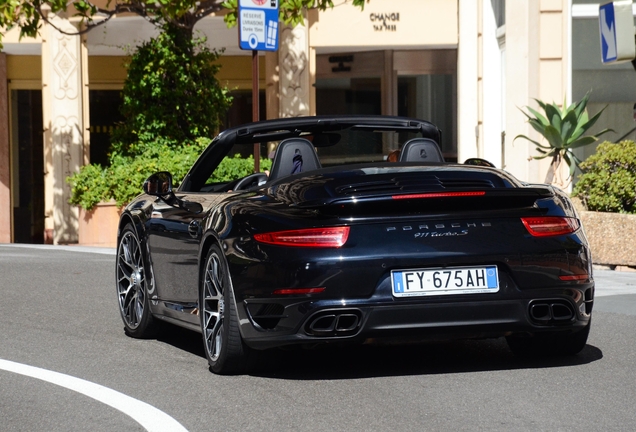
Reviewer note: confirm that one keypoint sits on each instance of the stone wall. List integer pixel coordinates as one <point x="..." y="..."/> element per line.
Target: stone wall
<point x="612" y="237"/>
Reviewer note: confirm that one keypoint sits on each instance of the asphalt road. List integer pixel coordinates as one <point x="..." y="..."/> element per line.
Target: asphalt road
<point x="58" y="313"/>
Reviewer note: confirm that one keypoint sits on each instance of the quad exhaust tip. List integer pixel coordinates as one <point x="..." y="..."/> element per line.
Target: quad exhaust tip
<point x="334" y="323"/>
<point x="551" y="311"/>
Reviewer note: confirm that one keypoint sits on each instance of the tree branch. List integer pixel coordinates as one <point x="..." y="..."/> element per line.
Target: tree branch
<point x="207" y="8"/>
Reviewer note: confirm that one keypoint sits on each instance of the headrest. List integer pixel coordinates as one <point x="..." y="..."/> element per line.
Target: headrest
<point x="421" y="150"/>
<point x="294" y="155"/>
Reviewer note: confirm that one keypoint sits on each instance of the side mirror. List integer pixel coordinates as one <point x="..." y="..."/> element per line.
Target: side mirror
<point x="158" y="184"/>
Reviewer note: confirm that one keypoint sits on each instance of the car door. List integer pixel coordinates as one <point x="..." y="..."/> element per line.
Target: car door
<point x="174" y="252"/>
<point x="174" y="236"/>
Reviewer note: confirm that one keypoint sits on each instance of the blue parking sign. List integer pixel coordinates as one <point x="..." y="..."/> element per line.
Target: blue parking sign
<point x="258" y="25"/>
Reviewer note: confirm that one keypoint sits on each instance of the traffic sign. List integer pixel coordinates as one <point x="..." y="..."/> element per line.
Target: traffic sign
<point x="258" y="25"/>
<point x="607" y="24"/>
<point x="616" y="24"/>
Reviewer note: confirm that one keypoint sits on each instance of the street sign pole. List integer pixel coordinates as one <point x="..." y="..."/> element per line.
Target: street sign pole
<point x="255" y="108"/>
<point x="258" y="31"/>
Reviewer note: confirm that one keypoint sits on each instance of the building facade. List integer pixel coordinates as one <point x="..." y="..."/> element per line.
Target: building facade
<point x="466" y="65"/>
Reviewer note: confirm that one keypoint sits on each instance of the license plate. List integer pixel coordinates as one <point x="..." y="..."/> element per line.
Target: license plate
<point x="445" y="281"/>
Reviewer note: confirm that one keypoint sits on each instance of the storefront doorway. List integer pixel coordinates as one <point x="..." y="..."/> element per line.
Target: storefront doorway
<point x="412" y="83"/>
<point x="27" y="162"/>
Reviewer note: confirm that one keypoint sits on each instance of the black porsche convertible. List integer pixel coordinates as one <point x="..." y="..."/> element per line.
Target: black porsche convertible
<point x="336" y="244"/>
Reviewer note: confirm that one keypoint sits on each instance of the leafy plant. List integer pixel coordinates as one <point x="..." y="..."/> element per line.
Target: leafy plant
<point x="608" y="183"/>
<point x="122" y="180"/>
<point x="171" y="94"/>
<point x="172" y="104"/>
<point x="232" y="168"/>
<point x="563" y="130"/>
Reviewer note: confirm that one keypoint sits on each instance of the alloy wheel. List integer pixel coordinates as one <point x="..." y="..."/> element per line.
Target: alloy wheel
<point x="131" y="280"/>
<point x="213" y="307"/>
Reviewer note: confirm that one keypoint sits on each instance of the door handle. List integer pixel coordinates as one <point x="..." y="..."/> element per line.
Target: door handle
<point x="194" y="229"/>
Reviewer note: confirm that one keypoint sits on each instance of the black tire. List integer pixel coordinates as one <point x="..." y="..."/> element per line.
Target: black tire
<point x="558" y="344"/>
<point x="131" y="279"/>
<point x="222" y="342"/>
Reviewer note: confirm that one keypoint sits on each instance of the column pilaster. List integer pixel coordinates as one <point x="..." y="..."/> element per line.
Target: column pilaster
<point x="63" y="115"/>
<point x="5" y="156"/>
<point x="294" y="72"/>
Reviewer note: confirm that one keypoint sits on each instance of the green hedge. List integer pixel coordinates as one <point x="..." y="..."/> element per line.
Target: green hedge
<point x="122" y="180"/>
<point x="608" y="182"/>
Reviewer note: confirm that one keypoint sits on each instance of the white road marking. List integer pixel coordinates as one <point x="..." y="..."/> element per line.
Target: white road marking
<point x="152" y="419"/>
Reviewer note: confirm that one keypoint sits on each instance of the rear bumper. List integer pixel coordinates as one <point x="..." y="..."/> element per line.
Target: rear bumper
<point x="356" y="321"/>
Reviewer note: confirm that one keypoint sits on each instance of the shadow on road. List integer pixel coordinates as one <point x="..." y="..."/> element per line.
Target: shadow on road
<point x="182" y="339"/>
<point x="365" y="361"/>
<point x="422" y="359"/>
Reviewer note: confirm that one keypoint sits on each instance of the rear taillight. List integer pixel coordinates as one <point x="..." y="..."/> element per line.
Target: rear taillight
<point x="439" y="195"/>
<point x="578" y="277"/>
<point x="298" y="291"/>
<point x="310" y="237"/>
<point x="547" y="226"/>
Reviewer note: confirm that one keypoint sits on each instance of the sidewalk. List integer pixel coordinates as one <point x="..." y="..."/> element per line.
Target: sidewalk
<point x="609" y="282"/>
<point x="71" y="248"/>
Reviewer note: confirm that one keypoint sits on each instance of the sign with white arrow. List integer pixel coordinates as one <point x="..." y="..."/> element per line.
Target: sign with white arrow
<point x="608" y="32"/>
<point x="616" y="24"/>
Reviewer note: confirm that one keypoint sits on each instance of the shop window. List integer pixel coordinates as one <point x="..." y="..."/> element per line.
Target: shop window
<point x="350" y="96"/>
<point x="104" y="116"/>
<point x="336" y="96"/>
<point x="430" y="97"/>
